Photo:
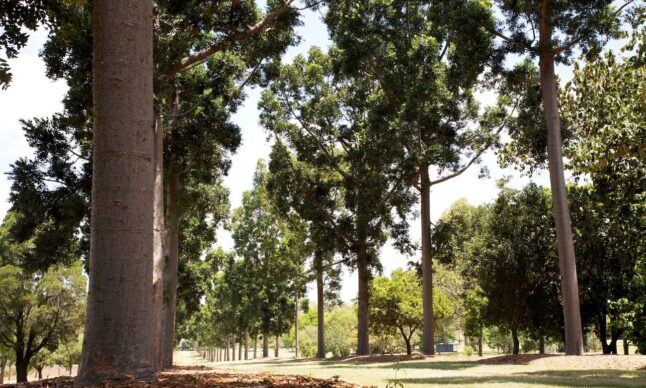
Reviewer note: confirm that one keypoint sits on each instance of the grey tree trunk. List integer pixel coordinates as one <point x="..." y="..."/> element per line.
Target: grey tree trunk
<point x="233" y="347"/>
<point x="255" y="346"/>
<point x="428" y="337"/>
<point x="567" y="261"/>
<point x="277" y="347"/>
<point x="296" y="327"/>
<point x="246" y="344"/>
<point x="265" y="346"/>
<point x="320" y="308"/>
<point x="170" y="268"/>
<point x="239" y="351"/>
<point x="119" y="331"/>
<point x="159" y="238"/>
<point x="363" y="345"/>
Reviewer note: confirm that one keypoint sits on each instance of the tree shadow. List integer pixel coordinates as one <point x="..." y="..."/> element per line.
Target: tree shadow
<point x="515" y="359"/>
<point x="572" y="378"/>
<point x="437" y="365"/>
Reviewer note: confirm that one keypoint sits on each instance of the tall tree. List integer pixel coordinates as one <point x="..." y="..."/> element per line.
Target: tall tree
<point x="427" y="57"/>
<point x="550" y="30"/>
<point x="327" y="122"/>
<point x="119" y="337"/>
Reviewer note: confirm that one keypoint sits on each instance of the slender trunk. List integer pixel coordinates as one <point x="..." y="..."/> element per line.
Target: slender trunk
<point x="239" y="350"/>
<point x="119" y="330"/>
<point x="170" y="268"/>
<point x="541" y="345"/>
<point x="265" y="345"/>
<point x="514" y="337"/>
<point x="428" y="345"/>
<point x="3" y="364"/>
<point x="614" y="336"/>
<point x="320" y="308"/>
<point x="233" y="348"/>
<point x="363" y="346"/>
<point x="603" y="334"/>
<point x="246" y="344"/>
<point x="22" y="366"/>
<point x="480" y="341"/>
<point x="409" y="349"/>
<point x="277" y="346"/>
<point x="226" y="352"/>
<point x="158" y="243"/>
<point x="39" y="372"/>
<point x="255" y="346"/>
<point x="626" y="346"/>
<point x="296" y="327"/>
<point x="567" y="261"/>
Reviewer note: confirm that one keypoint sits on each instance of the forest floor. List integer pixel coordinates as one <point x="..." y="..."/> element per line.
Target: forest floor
<point x="452" y="370"/>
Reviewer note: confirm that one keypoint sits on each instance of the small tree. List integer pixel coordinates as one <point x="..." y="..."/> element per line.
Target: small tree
<point x="39" y="311"/>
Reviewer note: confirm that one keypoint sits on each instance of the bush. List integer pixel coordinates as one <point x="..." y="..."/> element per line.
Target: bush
<point x="340" y="331"/>
<point x="468" y="350"/>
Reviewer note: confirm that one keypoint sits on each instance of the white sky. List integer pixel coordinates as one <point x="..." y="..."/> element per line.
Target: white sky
<point x="31" y="94"/>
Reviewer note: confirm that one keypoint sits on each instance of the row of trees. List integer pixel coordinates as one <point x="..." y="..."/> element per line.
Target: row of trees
<point x="356" y="131"/>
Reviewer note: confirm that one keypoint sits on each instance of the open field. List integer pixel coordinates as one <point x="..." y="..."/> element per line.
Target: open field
<point x="455" y="370"/>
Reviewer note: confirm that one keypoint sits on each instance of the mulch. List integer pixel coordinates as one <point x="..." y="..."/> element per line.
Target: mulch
<point x="200" y="377"/>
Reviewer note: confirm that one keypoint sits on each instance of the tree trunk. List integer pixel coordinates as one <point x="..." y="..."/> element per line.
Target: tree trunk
<point x="614" y="336"/>
<point x="409" y="349"/>
<point x="119" y="330"/>
<point x="39" y="372"/>
<point x="603" y="334"/>
<point x="567" y="261"/>
<point x="246" y="344"/>
<point x="265" y="346"/>
<point x="363" y="345"/>
<point x="233" y="348"/>
<point x="514" y="337"/>
<point x="480" y="341"/>
<point x="277" y="346"/>
<point x="226" y="352"/>
<point x="239" y="350"/>
<point x="626" y="346"/>
<point x="22" y="366"/>
<point x="159" y="238"/>
<point x="255" y="346"/>
<point x="3" y="364"/>
<point x="428" y="337"/>
<point x="320" y="308"/>
<point x="296" y="327"/>
<point x="541" y="345"/>
<point x="170" y="269"/>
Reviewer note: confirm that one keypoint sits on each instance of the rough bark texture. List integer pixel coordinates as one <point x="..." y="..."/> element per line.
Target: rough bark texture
<point x="170" y="269"/>
<point x="119" y="340"/>
<point x="320" y="308"/>
<point x="265" y="346"/>
<point x="567" y="261"/>
<point x="363" y="346"/>
<point x="516" y="341"/>
<point x="428" y="337"/>
<point x="159" y="237"/>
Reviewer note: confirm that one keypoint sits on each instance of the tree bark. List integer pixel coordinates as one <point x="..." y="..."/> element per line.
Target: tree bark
<point x="170" y="268"/>
<point x="255" y="346"/>
<point x="277" y="346"/>
<point x="320" y="308"/>
<point x="3" y="364"/>
<point x="265" y="345"/>
<point x="296" y="327"/>
<point x="567" y="260"/>
<point x="246" y="344"/>
<point x="22" y="368"/>
<point x="363" y="345"/>
<point x="39" y="371"/>
<point x="626" y="346"/>
<point x="159" y="238"/>
<point x="480" y="341"/>
<point x="514" y="337"/>
<point x="226" y="351"/>
<point x="428" y="337"/>
<point x="233" y="348"/>
<point x="541" y="345"/>
<point x="603" y="334"/>
<point x="239" y="350"/>
<point x="119" y="330"/>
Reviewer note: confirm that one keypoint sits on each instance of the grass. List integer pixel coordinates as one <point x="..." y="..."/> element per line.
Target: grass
<point x="456" y="370"/>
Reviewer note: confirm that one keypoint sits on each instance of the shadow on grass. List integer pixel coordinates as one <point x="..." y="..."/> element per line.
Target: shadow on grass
<point x="515" y="359"/>
<point x="437" y="365"/>
<point x="572" y="378"/>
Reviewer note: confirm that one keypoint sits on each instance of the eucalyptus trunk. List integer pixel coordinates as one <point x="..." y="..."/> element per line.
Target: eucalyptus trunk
<point x="320" y="308"/>
<point x="170" y="268"/>
<point x="363" y="345"/>
<point x="159" y="238"/>
<point x="428" y="337"/>
<point x="565" y="244"/>
<point x="265" y="345"/>
<point x="119" y="327"/>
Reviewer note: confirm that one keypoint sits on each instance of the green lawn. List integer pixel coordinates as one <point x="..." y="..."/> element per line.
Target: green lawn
<point x="457" y="370"/>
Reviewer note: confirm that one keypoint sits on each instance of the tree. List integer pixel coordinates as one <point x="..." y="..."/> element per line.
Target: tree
<point x="396" y="305"/>
<point x="326" y="121"/>
<point x="474" y="304"/>
<point x="39" y="311"/>
<point x="551" y="30"/>
<point x="119" y="338"/>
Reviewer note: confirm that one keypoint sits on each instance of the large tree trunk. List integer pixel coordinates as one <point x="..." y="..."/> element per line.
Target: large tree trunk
<point x="363" y="345"/>
<point x="22" y="368"/>
<point x="567" y="261"/>
<point x="170" y="268"/>
<point x="119" y="330"/>
<point x="265" y="345"/>
<point x="541" y="345"/>
<point x="514" y="337"/>
<point x="614" y="337"/>
<point x="159" y="238"/>
<point x="428" y="337"/>
<point x="320" y="308"/>
<point x="296" y="327"/>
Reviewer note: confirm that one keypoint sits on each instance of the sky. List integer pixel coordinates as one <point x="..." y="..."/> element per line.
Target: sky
<point x="32" y="94"/>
